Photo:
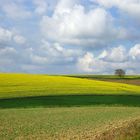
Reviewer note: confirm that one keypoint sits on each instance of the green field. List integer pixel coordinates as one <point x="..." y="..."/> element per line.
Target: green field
<point x="61" y="107"/>
<point x="60" y="123"/>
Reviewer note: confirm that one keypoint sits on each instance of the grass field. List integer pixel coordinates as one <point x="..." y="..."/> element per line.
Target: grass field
<point x="63" y="123"/>
<point x="60" y="107"/>
<point x="71" y="101"/>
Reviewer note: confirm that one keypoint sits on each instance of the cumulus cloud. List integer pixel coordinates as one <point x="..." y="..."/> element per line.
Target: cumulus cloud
<point x="86" y="62"/>
<point x="117" y="54"/>
<point x="19" y="39"/>
<point x="55" y="31"/>
<point x="90" y="63"/>
<point x="15" y="11"/>
<point x="130" y="7"/>
<point x="7" y="35"/>
<point x="41" y="6"/>
<point x="135" y="52"/>
<point x="49" y="55"/>
<point x="7" y="51"/>
<point x="58" y="54"/>
<point x="65" y="6"/>
<point x="126" y="14"/>
<point x="72" y="24"/>
<point x="111" y="59"/>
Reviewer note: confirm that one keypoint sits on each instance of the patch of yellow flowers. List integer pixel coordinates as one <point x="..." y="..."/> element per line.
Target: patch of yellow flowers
<point x="20" y="85"/>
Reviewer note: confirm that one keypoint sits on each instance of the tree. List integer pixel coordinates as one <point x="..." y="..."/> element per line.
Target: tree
<point x="120" y="72"/>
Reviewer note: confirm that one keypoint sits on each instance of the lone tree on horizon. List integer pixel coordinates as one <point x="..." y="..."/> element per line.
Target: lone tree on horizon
<point x="120" y="72"/>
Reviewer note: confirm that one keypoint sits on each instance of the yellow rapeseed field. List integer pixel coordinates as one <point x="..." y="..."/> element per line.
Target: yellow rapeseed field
<point x="22" y="85"/>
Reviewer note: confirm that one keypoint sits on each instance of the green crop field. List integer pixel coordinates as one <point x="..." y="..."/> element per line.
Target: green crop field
<point x="60" y="107"/>
<point x="63" y="123"/>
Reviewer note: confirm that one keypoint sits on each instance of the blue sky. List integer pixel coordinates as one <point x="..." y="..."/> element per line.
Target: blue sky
<point x="69" y="36"/>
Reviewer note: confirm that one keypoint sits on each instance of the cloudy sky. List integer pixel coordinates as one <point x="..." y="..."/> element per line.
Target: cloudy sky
<point x="70" y="36"/>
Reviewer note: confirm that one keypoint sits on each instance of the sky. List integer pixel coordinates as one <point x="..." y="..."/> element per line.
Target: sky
<point x="70" y="36"/>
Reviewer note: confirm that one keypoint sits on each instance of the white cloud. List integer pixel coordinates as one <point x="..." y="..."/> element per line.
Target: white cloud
<point x="49" y="55"/>
<point x="5" y="35"/>
<point x="66" y="25"/>
<point x="65" y="6"/>
<point x="8" y="51"/>
<point x="38" y="59"/>
<point x="19" y="39"/>
<point x="41" y="6"/>
<point x="135" y="52"/>
<point x="103" y="54"/>
<point x="86" y="62"/>
<point x="89" y="63"/>
<point x="112" y="59"/>
<point x="16" y="11"/>
<point x="72" y="24"/>
<point x="58" y="54"/>
<point x="117" y="54"/>
<point x="130" y="7"/>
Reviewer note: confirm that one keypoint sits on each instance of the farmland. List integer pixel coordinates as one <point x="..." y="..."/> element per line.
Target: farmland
<point x="24" y="85"/>
<point x="128" y="79"/>
<point x="61" y="107"/>
<point x="62" y="123"/>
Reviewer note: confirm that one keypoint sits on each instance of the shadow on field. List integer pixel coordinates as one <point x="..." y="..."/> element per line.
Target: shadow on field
<point x="71" y="100"/>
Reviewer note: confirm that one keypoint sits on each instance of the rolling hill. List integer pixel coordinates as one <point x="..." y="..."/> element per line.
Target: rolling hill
<point x="24" y="85"/>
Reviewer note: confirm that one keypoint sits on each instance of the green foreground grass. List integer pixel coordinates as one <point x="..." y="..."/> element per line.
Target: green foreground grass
<point x="24" y="85"/>
<point x="67" y="122"/>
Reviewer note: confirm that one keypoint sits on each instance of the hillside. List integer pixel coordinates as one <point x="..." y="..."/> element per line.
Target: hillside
<point x="127" y="79"/>
<point x="22" y="85"/>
